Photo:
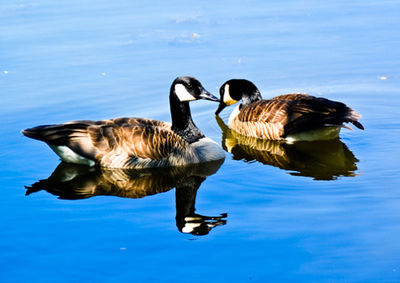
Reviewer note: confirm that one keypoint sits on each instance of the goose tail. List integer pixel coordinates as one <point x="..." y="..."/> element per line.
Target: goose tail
<point x="353" y="117"/>
<point x="37" y="133"/>
<point x="57" y="134"/>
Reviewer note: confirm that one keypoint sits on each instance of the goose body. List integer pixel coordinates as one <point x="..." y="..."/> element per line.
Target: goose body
<point x="290" y="117"/>
<point x="136" y="142"/>
<point x="322" y="160"/>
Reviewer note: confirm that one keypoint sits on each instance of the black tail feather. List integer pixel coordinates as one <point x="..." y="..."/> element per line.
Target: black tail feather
<point x="35" y="133"/>
<point x="56" y="134"/>
<point x="358" y="125"/>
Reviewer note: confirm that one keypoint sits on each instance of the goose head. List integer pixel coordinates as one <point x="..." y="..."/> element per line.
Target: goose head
<point x="234" y="90"/>
<point x="188" y="89"/>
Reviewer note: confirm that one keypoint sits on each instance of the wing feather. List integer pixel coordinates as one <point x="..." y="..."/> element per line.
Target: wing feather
<point x="128" y="142"/>
<point x="116" y="142"/>
<point x="292" y="113"/>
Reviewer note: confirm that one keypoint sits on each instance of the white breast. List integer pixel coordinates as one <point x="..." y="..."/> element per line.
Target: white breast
<point x="234" y="113"/>
<point x="207" y="150"/>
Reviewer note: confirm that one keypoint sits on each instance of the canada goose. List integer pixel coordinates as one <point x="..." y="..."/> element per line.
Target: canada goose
<point x="75" y="181"/>
<point x="290" y="117"/>
<point x="321" y="160"/>
<point x="136" y="142"/>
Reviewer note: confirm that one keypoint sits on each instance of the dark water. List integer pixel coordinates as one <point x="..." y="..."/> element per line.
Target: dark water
<point x="271" y="212"/>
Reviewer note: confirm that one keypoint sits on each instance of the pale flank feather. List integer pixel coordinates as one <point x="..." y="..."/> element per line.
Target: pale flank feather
<point x="261" y="119"/>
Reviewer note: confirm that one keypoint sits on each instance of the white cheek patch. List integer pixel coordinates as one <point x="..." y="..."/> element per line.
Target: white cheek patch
<point x="183" y="94"/>
<point x="228" y="100"/>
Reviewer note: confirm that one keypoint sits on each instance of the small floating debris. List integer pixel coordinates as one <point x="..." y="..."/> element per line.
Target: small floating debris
<point x="104" y="74"/>
<point x="5" y="72"/>
<point x="382" y="78"/>
<point x="185" y="39"/>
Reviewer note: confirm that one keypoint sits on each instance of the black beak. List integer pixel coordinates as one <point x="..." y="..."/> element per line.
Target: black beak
<point x="221" y="107"/>
<point x="204" y="94"/>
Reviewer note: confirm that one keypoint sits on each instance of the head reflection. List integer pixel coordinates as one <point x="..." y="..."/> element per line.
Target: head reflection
<point x="321" y="160"/>
<point x="71" y="181"/>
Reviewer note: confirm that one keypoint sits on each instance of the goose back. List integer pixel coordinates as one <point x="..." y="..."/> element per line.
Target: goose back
<point x="291" y="114"/>
<point x="118" y="143"/>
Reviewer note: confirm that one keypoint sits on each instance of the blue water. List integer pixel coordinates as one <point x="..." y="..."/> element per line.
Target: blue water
<point x="68" y="60"/>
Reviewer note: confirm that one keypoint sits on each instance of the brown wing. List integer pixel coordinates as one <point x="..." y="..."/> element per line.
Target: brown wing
<point x="266" y="111"/>
<point x="294" y="96"/>
<point x="120" y="145"/>
<point x="315" y="112"/>
<point x="262" y="119"/>
<point x="294" y="113"/>
<point x="277" y="109"/>
<point x="281" y="109"/>
<point x="114" y="143"/>
<point x="334" y="112"/>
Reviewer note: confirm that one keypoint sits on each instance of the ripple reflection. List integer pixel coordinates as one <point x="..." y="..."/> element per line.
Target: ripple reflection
<point x="321" y="160"/>
<point x="71" y="181"/>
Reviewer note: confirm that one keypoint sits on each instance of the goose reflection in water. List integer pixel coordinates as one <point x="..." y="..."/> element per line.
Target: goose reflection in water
<point x="72" y="181"/>
<point x="321" y="160"/>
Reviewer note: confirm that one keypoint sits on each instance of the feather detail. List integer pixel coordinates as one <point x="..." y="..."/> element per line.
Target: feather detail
<point x="136" y="142"/>
<point x="119" y="143"/>
<point x="291" y="114"/>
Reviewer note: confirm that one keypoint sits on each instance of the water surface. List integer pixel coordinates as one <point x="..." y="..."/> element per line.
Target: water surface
<point x="279" y="213"/>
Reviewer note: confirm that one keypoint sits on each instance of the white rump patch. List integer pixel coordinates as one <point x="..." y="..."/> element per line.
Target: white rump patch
<point x="228" y="100"/>
<point x="183" y="94"/>
<point x="67" y="155"/>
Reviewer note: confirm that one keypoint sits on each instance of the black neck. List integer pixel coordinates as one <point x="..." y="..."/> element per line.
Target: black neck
<point x="182" y="122"/>
<point x="249" y="98"/>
